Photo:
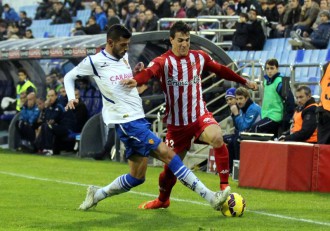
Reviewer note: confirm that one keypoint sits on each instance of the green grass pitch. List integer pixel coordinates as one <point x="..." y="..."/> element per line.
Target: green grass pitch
<point x="43" y="193"/>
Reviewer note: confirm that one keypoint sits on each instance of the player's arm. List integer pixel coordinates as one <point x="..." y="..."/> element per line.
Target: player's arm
<point x="83" y="69"/>
<point x="226" y="73"/>
<point x="143" y="75"/>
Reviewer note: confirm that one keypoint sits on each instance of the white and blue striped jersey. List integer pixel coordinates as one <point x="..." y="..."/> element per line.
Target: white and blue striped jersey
<point x="121" y="104"/>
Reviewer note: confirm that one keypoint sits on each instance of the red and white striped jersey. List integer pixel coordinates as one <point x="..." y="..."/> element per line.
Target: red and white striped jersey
<point x="182" y="86"/>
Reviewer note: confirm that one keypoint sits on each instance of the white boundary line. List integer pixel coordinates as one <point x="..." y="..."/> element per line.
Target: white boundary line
<point x="172" y="198"/>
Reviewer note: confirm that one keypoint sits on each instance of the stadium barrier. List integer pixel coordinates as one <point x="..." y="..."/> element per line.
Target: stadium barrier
<point x="285" y="166"/>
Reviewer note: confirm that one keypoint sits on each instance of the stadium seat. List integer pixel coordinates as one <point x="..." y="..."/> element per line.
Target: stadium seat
<point x="314" y="71"/>
<point x="83" y="15"/>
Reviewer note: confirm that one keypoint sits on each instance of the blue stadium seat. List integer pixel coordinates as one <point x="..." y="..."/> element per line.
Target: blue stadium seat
<point x="301" y="73"/>
<point x="234" y="55"/>
<point x="314" y="71"/>
<point x="83" y="15"/>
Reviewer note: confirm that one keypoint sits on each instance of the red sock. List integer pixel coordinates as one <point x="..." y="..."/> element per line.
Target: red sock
<point x="221" y="156"/>
<point x="166" y="182"/>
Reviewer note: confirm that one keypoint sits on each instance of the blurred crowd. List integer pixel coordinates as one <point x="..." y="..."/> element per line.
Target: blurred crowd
<point x="307" y="22"/>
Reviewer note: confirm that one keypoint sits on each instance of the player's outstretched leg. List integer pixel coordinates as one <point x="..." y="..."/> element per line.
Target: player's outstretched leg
<point x="189" y="179"/>
<point x="120" y="185"/>
<point x="166" y="182"/>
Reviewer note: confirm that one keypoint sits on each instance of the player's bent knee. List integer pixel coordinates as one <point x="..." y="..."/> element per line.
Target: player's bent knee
<point x="217" y="141"/>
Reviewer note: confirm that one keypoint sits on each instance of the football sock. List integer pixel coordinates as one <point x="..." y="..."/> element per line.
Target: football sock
<point x="122" y="184"/>
<point x="166" y="182"/>
<point x="221" y="157"/>
<point x="189" y="179"/>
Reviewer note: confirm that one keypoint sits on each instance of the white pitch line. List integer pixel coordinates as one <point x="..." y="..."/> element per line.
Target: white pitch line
<point x="172" y="198"/>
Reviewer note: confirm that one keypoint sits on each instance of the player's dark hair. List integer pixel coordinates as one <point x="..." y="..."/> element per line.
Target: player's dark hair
<point x="117" y="31"/>
<point x="272" y="62"/>
<point x="179" y="27"/>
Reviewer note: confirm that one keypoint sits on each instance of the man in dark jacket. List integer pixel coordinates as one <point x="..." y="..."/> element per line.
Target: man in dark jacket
<point x="257" y="41"/>
<point x="304" y="119"/>
<point x="241" y="35"/>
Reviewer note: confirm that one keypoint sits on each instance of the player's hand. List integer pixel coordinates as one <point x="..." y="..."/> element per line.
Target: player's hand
<point x="252" y="85"/>
<point x="138" y="67"/>
<point x="71" y="104"/>
<point x="129" y="83"/>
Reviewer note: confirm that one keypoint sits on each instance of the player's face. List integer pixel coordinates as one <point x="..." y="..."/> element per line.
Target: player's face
<point x="241" y="101"/>
<point x="120" y="47"/>
<point x="51" y="96"/>
<point x="271" y="70"/>
<point x="180" y="44"/>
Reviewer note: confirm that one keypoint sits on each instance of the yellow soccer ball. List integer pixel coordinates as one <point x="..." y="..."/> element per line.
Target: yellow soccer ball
<point x="234" y="206"/>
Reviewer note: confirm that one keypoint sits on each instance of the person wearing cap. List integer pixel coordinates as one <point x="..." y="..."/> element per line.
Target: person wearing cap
<point x="244" y="113"/>
<point x="318" y="39"/>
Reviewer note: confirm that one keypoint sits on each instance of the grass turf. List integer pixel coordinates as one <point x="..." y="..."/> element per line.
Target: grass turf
<point x="43" y="193"/>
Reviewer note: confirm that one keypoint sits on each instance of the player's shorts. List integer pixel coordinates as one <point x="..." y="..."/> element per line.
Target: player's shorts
<point x="137" y="137"/>
<point x="179" y="137"/>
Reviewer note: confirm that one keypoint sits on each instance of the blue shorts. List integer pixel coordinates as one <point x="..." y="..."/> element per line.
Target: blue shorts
<point x="137" y="137"/>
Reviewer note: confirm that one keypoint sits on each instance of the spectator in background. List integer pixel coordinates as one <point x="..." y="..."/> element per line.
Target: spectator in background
<point x="41" y="104"/>
<point x="60" y="14"/>
<point x="243" y="6"/>
<point x="10" y="14"/>
<point x="112" y="17"/>
<point x="62" y="97"/>
<point x="151" y="21"/>
<point x="279" y="28"/>
<point x="177" y="10"/>
<point x="213" y="7"/>
<point x="28" y="34"/>
<point x="162" y="9"/>
<point x="257" y="41"/>
<point x="74" y="6"/>
<point x="26" y="124"/>
<point x="101" y="17"/>
<point x="293" y="15"/>
<point x="53" y="83"/>
<point x="78" y="29"/>
<point x="44" y="10"/>
<point x="308" y="15"/>
<point x="12" y="31"/>
<point x="141" y="23"/>
<point x="323" y="6"/>
<point x="230" y="11"/>
<point x="201" y="8"/>
<point x="24" y="85"/>
<point x="190" y="9"/>
<point x="318" y="39"/>
<point x="241" y="35"/>
<point x="323" y="111"/>
<point x="92" y="27"/>
<point x="272" y="109"/>
<point x="23" y="23"/>
<point x="304" y="124"/>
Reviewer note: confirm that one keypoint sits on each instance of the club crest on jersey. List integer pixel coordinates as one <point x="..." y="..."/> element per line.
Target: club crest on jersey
<point x="151" y="141"/>
<point x="125" y="61"/>
<point x="207" y="120"/>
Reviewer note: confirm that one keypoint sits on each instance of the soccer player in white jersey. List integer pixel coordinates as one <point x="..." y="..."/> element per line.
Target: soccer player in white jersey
<point x="122" y="106"/>
<point x="187" y="117"/>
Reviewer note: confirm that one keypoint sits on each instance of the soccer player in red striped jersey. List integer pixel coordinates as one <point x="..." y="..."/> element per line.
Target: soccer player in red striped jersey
<point x="180" y="70"/>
